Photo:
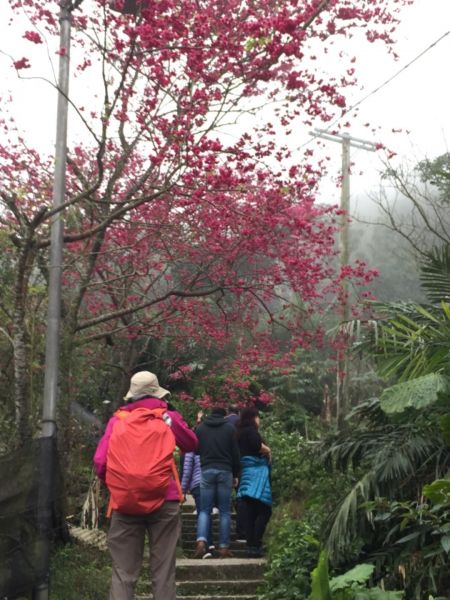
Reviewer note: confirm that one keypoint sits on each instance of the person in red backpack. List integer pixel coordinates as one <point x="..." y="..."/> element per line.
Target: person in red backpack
<point x="136" y="511"/>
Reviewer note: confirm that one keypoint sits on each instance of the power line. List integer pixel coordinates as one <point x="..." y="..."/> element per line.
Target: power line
<point x="381" y="86"/>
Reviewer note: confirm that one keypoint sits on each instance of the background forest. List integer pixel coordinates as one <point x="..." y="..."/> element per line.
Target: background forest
<point x="211" y="263"/>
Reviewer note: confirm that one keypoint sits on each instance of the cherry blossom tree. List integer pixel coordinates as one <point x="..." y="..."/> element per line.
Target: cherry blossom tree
<point x="173" y="227"/>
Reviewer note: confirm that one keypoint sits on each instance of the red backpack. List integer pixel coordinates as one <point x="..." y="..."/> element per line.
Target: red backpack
<point x="140" y="461"/>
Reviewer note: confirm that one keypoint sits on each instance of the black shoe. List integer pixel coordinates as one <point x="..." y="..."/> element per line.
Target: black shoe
<point x="225" y="553"/>
<point x="254" y="552"/>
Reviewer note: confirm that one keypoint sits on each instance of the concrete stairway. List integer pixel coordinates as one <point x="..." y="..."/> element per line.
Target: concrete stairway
<point x="235" y="578"/>
<point x="218" y="579"/>
<point x="189" y="534"/>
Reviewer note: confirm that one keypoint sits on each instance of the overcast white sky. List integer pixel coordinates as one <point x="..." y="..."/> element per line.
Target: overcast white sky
<point x="416" y="101"/>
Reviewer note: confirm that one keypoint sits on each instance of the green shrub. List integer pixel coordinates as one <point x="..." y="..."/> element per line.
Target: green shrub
<point x="293" y="550"/>
<point x="412" y="538"/>
<point x="79" y="572"/>
<point x="298" y="472"/>
<point x="304" y="494"/>
<point x="351" y="585"/>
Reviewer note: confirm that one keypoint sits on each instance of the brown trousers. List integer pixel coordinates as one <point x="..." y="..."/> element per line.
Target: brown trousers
<point x="126" y="539"/>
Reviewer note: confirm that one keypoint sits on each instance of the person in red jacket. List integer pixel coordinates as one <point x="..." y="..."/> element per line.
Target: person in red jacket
<point x="126" y="536"/>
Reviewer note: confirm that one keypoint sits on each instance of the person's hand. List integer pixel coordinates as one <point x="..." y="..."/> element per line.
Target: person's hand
<point x="266" y="452"/>
<point x="199" y="416"/>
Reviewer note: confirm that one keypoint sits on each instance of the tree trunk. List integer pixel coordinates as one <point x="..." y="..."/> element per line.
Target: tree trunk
<point x="21" y="344"/>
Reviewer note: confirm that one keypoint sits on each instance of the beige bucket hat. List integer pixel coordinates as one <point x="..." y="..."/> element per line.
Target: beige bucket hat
<point x="145" y="383"/>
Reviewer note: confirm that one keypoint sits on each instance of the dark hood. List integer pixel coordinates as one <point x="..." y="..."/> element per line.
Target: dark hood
<point x="214" y="421"/>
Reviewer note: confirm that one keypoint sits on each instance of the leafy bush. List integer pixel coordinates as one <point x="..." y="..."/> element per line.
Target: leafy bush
<point x="290" y="461"/>
<point x="351" y="585"/>
<point x="293" y="550"/>
<point x="304" y="493"/>
<point x="386" y="457"/>
<point x="78" y="571"/>
<point x="413" y="539"/>
<point x="297" y="471"/>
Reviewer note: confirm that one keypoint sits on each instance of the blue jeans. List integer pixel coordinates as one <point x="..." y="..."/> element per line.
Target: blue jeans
<point x="216" y="486"/>
<point x="196" y="495"/>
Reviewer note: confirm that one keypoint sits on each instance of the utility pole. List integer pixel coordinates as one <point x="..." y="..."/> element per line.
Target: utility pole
<point x="48" y="462"/>
<point x="346" y="142"/>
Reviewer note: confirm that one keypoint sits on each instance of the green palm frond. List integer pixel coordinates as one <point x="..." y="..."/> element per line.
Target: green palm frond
<point x="413" y="341"/>
<point x="403" y="458"/>
<point x="347" y="453"/>
<point x="416" y="393"/>
<point x="435" y="274"/>
<point x="396" y="461"/>
<point x="367" y="412"/>
<point x="345" y="521"/>
<point x="390" y="451"/>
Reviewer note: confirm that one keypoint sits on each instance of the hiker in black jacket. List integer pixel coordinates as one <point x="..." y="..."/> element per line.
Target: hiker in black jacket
<point x="220" y="463"/>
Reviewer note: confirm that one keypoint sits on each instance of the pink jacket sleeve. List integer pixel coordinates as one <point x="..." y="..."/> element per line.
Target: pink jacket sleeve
<point x="102" y="450"/>
<point x="184" y="436"/>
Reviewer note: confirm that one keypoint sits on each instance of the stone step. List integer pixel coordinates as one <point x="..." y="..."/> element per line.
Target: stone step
<point x="193" y="518"/>
<point x="216" y="597"/>
<point x="218" y="587"/>
<point x="189" y="544"/>
<point x="188" y="540"/>
<point x="203" y="597"/>
<point x="237" y="553"/>
<point x="209" y="589"/>
<point x="220" y="569"/>
<point x="191" y="532"/>
<point x="191" y="536"/>
<point x="192" y="522"/>
<point x="190" y="527"/>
